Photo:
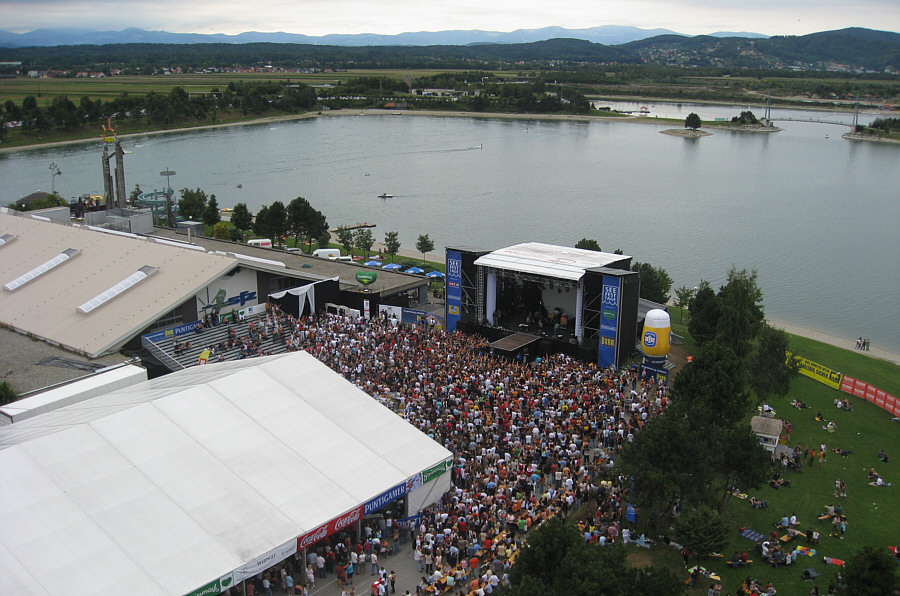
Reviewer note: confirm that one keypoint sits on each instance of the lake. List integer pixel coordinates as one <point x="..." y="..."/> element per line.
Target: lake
<point x="815" y="214"/>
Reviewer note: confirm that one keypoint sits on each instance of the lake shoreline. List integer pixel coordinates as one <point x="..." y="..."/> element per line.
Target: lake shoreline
<point x="382" y="112"/>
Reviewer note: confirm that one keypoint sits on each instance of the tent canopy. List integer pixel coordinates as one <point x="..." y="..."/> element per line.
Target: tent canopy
<point x="172" y="483"/>
<point x="548" y="260"/>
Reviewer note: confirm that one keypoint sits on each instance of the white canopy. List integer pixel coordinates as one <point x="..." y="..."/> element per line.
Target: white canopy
<point x="548" y="260"/>
<point x="168" y="485"/>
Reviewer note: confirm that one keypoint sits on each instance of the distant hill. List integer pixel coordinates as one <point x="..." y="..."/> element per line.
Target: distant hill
<point x="854" y="48"/>
<point x="851" y="49"/>
<point x="607" y="35"/>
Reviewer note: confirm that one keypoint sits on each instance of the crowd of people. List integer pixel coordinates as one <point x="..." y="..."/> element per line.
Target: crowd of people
<point x="530" y="439"/>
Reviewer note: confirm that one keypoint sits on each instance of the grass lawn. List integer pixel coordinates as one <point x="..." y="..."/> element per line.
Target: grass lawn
<point x="872" y="513"/>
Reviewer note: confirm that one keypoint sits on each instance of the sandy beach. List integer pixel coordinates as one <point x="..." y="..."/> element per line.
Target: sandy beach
<point x="841" y="342"/>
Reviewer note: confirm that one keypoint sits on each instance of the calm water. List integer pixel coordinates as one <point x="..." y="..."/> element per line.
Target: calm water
<point x="818" y="217"/>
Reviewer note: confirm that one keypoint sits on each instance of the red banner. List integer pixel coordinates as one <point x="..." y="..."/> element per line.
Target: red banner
<point x="324" y="531"/>
<point x="872" y="394"/>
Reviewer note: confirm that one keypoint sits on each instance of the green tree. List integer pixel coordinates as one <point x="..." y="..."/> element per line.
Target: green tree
<point x="701" y="531"/>
<point x="693" y="121"/>
<point x="221" y="231"/>
<point x="363" y="240"/>
<point x="210" y="213"/>
<point x="558" y="562"/>
<point x="324" y="239"/>
<point x="655" y="282"/>
<point x="278" y="221"/>
<point x="683" y="295"/>
<point x="261" y="226"/>
<point x="741" y="314"/>
<point x="424" y="245"/>
<point x="704" y="308"/>
<point x="391" y="244"/>
<point x="771" y="370"/>
<point x="870" y="571"/>
<point x="588" y="244"/>
<point x="345" y="239"/>
<point x="192" y="204"/>
<point x="298" y="212"/>
<point x="7" y="393"/>
<point x="241" y="218"/>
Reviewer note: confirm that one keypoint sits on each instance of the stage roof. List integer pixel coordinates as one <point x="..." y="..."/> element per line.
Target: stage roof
<point x="173" y="483"/>
<point x="548" y="260"/>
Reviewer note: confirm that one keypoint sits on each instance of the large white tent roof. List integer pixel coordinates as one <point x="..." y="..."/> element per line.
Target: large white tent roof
<point x="161" y="487"/>
<point x="548" y="260"/>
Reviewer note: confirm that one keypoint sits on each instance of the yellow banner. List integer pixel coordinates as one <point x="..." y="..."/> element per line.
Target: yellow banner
<point x="816" y="371"/>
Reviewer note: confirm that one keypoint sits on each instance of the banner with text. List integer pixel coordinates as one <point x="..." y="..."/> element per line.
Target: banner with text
<point x="816" y="371"/>
<point x="432" y="473"/>
<point x="388" y="496"/>
<point x="454" y="288"/>
<point x="260" y="564"/>
<point x="339" y="523"/>
<point x="609" y="321"/>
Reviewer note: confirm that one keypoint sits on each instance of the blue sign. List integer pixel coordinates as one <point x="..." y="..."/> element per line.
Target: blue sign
<point x="172" y="332"/>
<point x="454" y="289"/>
<point x="630" y="513"/>
<point x="609" y="327"/>
<point x="386" y="497"/>
<point x="649" y="339"/>
<point x="240" y="300"/>
<point x="413" y="317"/>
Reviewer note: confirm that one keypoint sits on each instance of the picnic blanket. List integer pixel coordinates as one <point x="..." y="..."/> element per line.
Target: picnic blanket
<point x="803" y="550"/>
<point x="752" y="535"/>
<point x="831" y="561"/>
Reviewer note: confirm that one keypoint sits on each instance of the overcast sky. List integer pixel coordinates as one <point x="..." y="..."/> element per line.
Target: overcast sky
<point x="320" y="17"/>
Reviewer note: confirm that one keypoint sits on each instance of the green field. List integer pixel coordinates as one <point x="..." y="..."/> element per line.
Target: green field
<point x="872" y="514"/>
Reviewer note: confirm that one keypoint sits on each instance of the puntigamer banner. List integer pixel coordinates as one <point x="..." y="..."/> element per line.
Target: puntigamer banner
<point x="816" y="371"/>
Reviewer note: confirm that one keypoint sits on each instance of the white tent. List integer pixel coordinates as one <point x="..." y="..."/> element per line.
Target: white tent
<point x="168" y="485"/>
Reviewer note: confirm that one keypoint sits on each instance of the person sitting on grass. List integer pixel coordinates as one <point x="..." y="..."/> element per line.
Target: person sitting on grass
<point x="819" y="416"/>
<point x="883" y="456"/>
<point x="758" y="504"/>
<point x="842" y="452"/>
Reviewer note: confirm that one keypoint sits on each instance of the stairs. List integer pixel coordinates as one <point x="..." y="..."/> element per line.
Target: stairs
<point x="164" y="350"/>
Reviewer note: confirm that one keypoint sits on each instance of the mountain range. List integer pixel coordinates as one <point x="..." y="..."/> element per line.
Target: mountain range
<point x="607" y="35"/>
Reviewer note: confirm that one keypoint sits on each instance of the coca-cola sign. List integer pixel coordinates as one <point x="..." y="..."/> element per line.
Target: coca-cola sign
<point x="346" y="520"/>
<point x="312" y="537"/>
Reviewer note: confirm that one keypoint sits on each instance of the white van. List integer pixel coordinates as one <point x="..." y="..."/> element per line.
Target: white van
<point x="261" y="242"/>
<point x="327" y="253"/>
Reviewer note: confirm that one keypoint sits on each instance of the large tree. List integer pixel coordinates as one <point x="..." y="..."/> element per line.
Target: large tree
<point x="692" y="121"/>
<point x="211" y="212"/>
<point x="740" y="312"/>
<point x="558" y="562"/>
<point x="241" y="217"/>
<point x="363" y="240"/>
<point x="870" y="571"/>
<point x="702" y="531"/>
<point x="192" y="203"/>
<point x="391" y="244"/>
<point x="345" y="238"/>
<point x="278" y="221"/>
<point x="424" y="245"/>
<point x="261" y="226"/>
<point x="704" y="308"/>
<point x="771" y="370"/>
<point x="305" y="222"/>
<point x="655" y="282"/>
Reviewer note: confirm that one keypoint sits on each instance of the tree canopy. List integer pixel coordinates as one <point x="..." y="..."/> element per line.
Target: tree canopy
<point x="655" y="282"/>
<point x="391" y="244"/>
<point x="192" y="204"/>
<point x="241" y="217"/>
<point x="693" y="121"/>
<point x="588" y="244"/>
<point x="424" y="245"/>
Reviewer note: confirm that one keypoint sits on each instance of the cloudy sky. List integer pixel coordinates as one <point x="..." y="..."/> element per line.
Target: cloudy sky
<point x="320" y="17"/>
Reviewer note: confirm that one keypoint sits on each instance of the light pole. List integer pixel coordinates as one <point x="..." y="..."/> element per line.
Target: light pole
<point x="55" y="172"/>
